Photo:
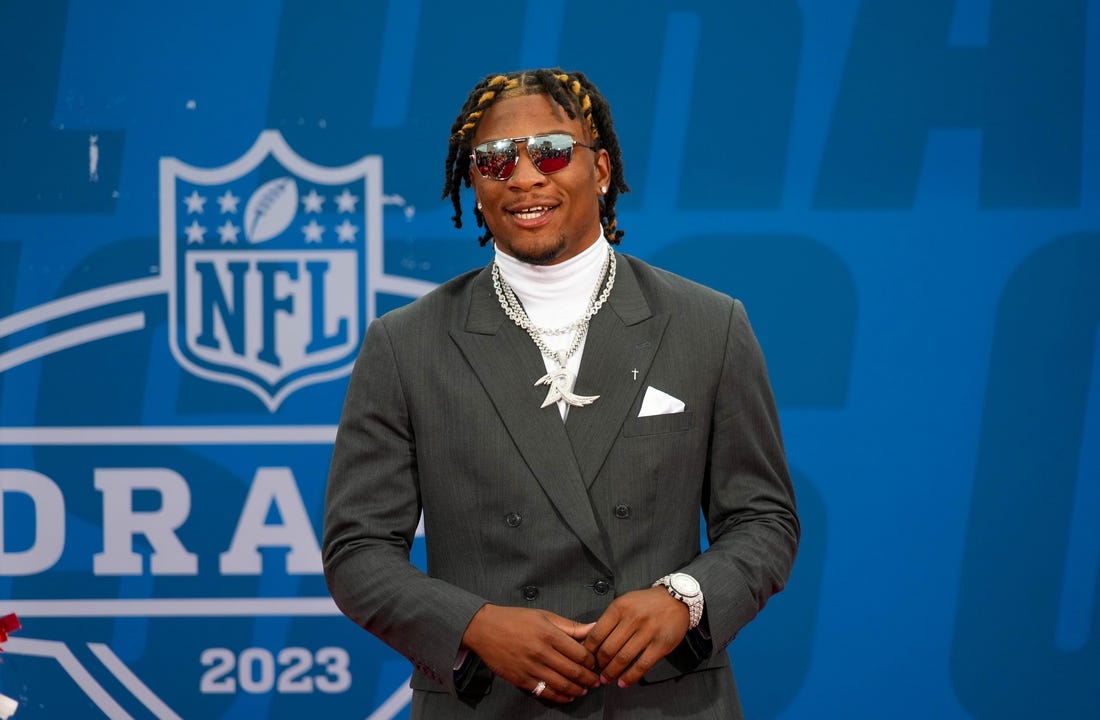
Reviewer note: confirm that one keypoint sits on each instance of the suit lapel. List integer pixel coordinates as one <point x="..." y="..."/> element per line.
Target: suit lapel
<point x="507" y="363"/>
<point x="619" y="343"/>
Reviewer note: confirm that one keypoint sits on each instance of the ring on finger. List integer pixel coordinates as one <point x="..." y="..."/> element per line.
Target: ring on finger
<point x="539" y="688"/>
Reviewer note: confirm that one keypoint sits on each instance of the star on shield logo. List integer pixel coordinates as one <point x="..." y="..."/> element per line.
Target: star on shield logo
<point x="266" y="261"/>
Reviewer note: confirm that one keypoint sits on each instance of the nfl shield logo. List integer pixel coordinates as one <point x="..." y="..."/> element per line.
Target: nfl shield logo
<point x="266" y="264"/>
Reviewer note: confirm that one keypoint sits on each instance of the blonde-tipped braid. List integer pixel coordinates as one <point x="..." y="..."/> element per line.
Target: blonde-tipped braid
<point x="493" y="86"/>
<point x="585" y="101"/>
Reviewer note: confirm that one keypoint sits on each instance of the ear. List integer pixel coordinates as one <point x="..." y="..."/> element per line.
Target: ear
<point x="603" y="169"/>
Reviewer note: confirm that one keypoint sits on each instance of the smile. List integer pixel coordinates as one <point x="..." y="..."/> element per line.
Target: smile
<point x="531" y="213"/>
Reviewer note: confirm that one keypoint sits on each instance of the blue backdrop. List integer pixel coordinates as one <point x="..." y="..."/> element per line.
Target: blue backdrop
<point x="202" y="204"/>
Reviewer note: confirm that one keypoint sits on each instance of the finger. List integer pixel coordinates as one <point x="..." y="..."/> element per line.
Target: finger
<point x="557" y="688"/>
<point x="612" y="645"/>
<point x="601" y="629"/>
<point x="643" y="664"/>
<point x="567" y="658"/>
<point x="567" y="644"/>
<point x="572" y="628"/>
<point x="575" y="663"/>
<point x="580" y="631"/>
<point x="623" y="657"/>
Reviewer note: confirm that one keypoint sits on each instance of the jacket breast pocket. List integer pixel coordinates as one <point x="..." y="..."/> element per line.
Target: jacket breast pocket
<point x="658" y="424"/>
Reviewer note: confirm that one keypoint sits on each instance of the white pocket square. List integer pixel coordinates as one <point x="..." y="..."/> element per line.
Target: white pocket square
<point x="656" y="402"/>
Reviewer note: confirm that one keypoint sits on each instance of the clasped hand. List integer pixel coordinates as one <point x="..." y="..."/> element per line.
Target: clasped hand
<point x="526" y="647"/>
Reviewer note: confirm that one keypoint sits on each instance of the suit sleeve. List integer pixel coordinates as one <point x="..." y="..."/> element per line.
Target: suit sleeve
<point x="372" y="508"/>
<point x="748" y="499"/>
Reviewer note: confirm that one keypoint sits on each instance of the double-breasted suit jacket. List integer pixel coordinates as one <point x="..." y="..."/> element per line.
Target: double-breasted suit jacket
<point x="519" y="508"/>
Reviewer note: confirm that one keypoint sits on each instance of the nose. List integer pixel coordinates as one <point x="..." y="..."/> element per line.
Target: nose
<point x="526" y="175"/>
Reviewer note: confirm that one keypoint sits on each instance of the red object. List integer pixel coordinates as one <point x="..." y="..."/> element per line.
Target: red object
<point x="8" y="624"/>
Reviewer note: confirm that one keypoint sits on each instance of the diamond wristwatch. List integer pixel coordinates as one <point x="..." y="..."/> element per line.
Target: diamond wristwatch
<point x="686" y="589"/>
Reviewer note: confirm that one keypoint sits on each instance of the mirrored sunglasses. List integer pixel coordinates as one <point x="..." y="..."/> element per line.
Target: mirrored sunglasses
<point x="549" y="153"/>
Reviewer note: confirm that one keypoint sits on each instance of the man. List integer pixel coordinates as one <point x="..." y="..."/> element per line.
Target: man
<point x="560" y="418"/>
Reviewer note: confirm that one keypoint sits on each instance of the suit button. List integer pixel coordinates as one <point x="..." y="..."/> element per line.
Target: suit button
<point x="622" y="511"/>
<point x="530" y="592"/>
<point x="601" y="587"/>
<point x="513" y="519"/>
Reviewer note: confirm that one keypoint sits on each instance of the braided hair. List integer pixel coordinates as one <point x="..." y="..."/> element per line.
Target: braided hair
<point x="574" y="93"/>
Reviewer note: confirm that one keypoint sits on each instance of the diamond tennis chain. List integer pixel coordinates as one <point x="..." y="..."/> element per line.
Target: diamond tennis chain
<point x="560" y="381"/>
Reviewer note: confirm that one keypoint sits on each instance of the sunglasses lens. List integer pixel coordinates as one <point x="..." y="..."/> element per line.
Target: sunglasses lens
<point x="496" y="159"/>
<point x="550" y="153"/>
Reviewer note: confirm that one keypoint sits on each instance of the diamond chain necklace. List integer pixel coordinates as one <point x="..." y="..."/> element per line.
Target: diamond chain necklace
<point x="560" y="381"/>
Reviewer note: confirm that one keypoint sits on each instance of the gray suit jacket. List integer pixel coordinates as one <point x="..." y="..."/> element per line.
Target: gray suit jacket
<point x="521" y="509"/>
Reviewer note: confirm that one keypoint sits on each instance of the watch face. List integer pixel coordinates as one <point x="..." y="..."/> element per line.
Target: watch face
<point x="684" y="584"/>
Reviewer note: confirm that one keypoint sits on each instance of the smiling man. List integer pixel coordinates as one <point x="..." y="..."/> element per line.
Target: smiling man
<point x="560" y="418"/>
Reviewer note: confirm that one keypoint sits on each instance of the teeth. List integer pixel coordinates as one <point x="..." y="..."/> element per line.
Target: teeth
<point x="530" y="213"/>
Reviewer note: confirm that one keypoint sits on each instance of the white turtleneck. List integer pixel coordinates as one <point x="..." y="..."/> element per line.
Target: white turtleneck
<point x="556" y="295"/>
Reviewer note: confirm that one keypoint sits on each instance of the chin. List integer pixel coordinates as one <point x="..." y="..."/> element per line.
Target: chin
<point x="537" y="253"/>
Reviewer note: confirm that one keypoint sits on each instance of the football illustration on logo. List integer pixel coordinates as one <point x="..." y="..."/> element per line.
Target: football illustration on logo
<point x="270" y="209"/>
